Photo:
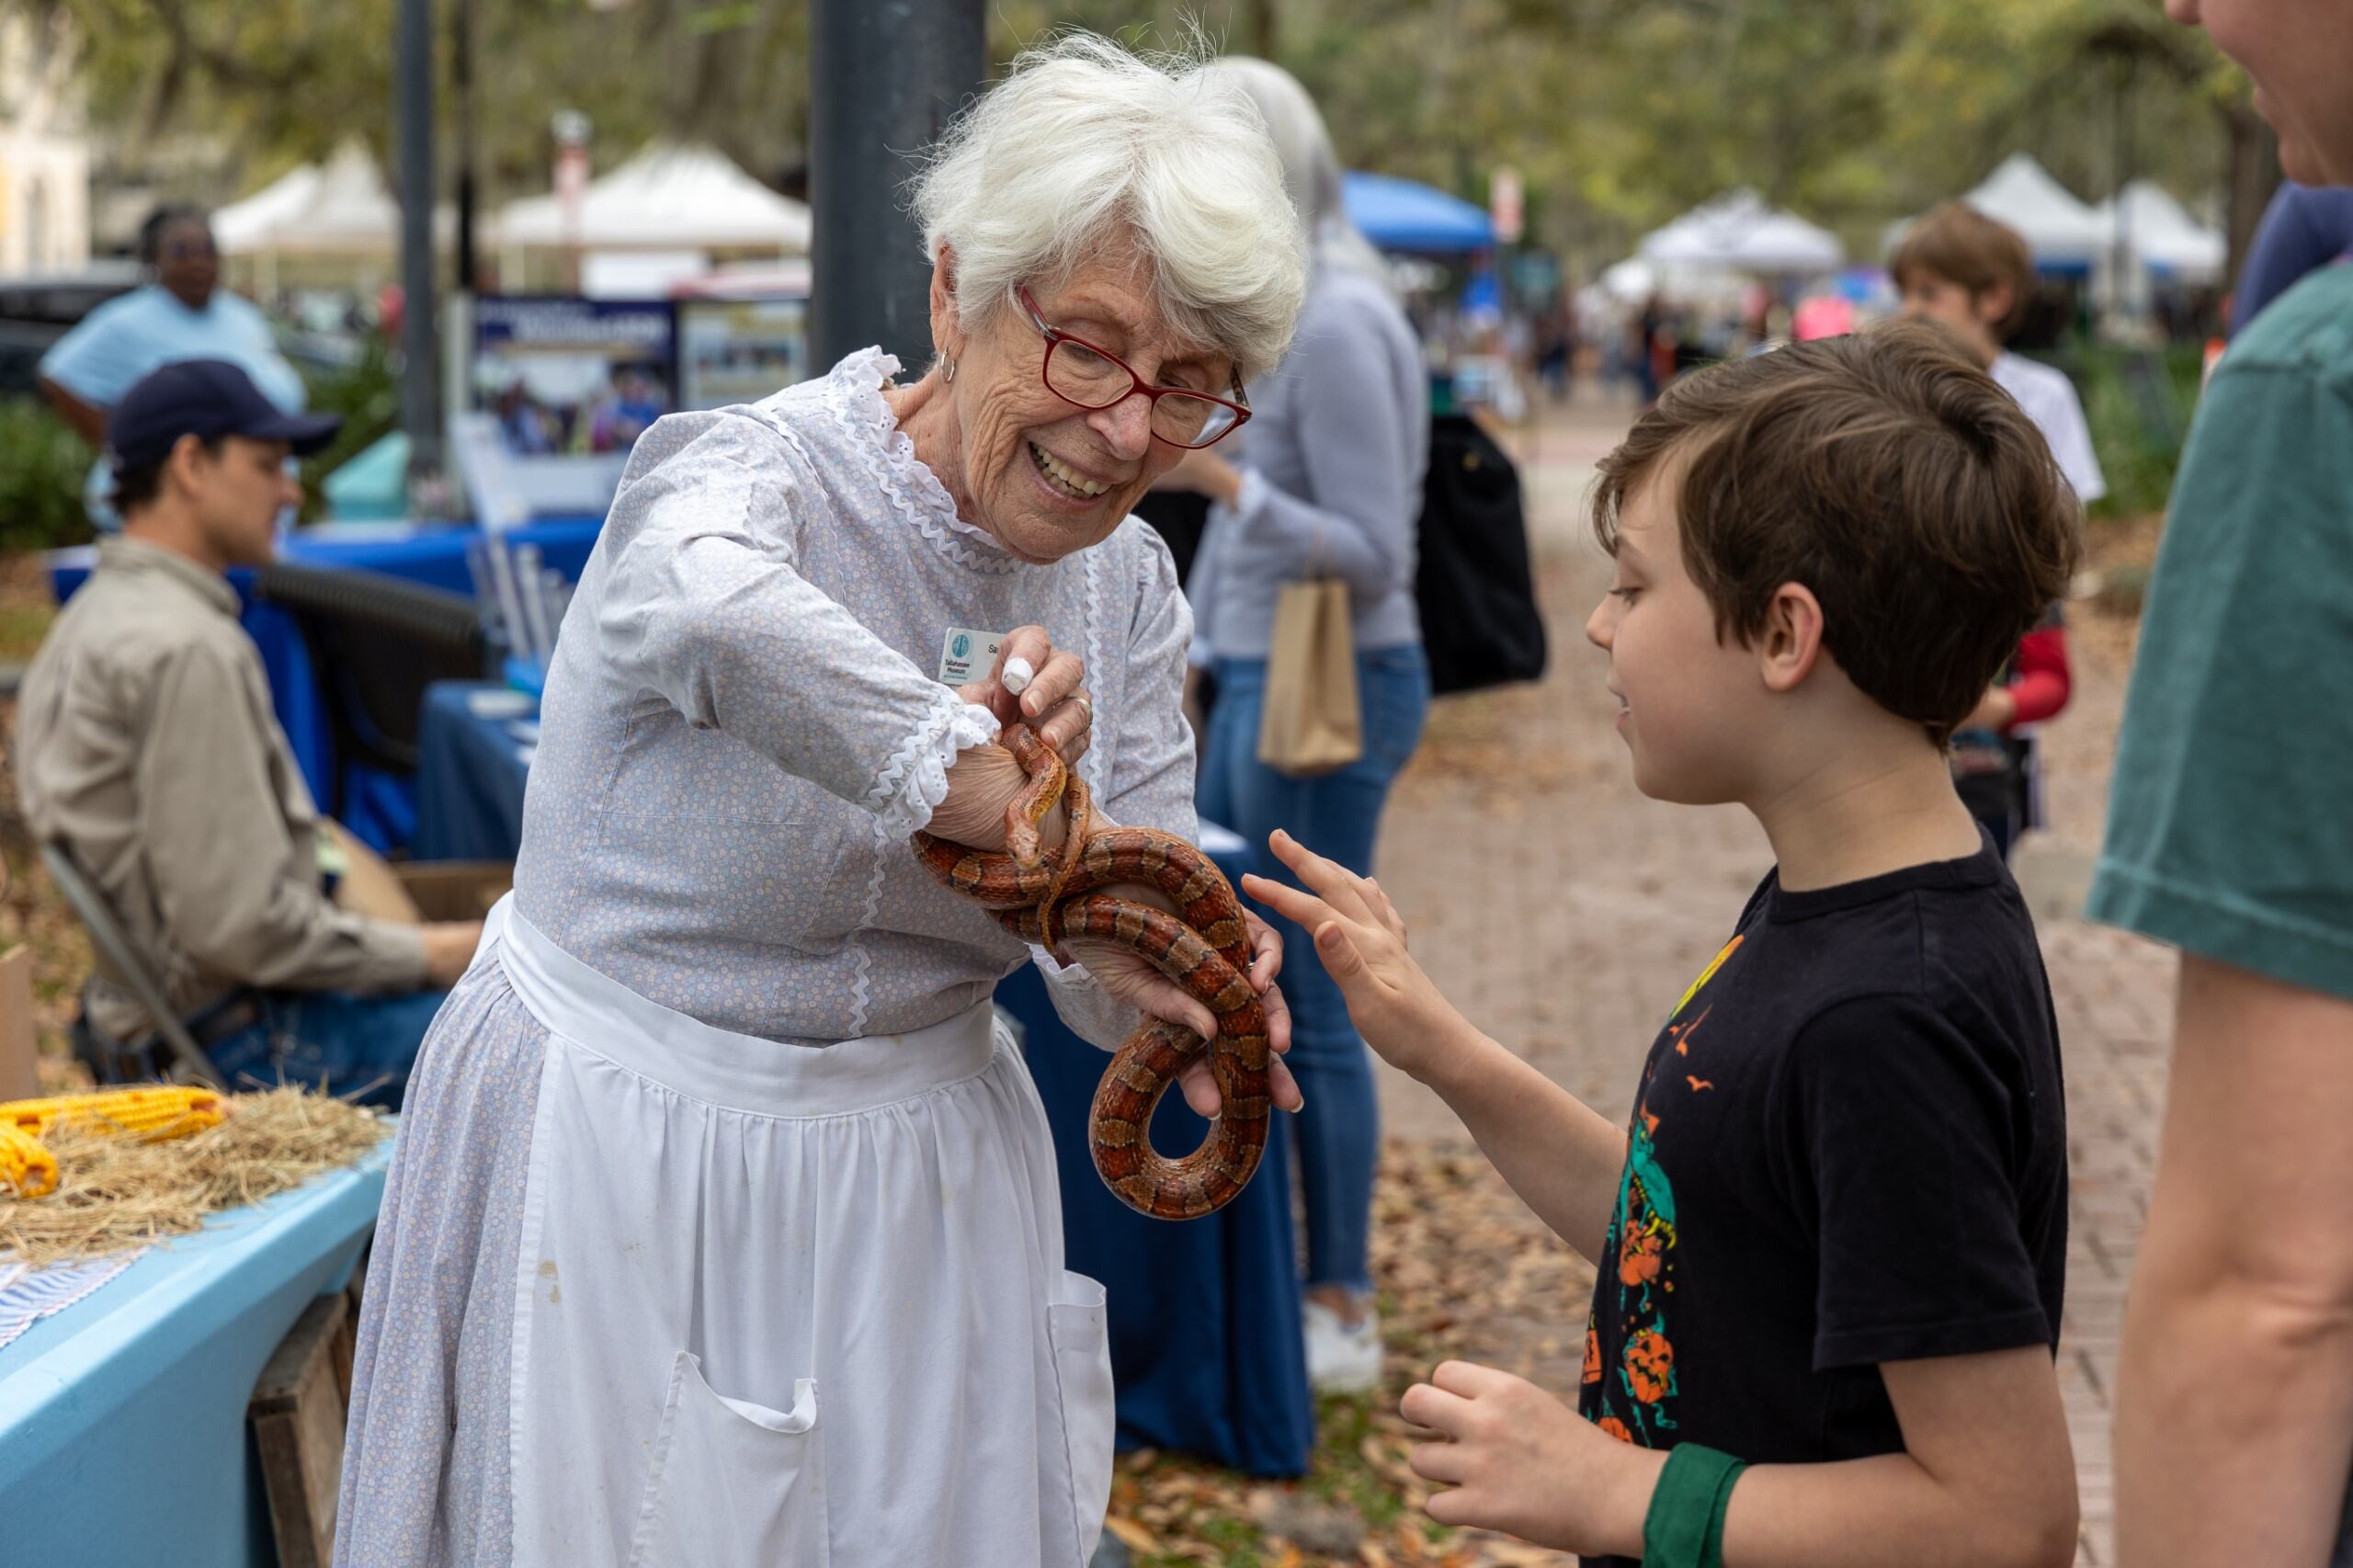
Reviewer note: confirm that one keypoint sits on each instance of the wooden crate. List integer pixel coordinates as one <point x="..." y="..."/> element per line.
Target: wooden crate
<point x="298" y="1414"/>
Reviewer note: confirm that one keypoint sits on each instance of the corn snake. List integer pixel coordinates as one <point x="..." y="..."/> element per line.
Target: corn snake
<point x="1047" y="896"/>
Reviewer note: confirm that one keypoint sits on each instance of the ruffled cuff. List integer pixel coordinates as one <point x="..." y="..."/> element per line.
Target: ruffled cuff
<point x="913" y="782"/>
<point x="1086" y="1008"/>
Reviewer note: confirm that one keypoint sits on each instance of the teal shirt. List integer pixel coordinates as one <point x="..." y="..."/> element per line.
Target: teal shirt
<point x="2230" y="823"/>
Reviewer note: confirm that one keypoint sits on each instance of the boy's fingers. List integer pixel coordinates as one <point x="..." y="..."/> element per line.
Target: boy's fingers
<point x="1343" y="960"/>
<point x="1467" y="1379"/>
<point x="1427" y="1405"/>
<point x="1340" y="887"/>
<point x="1382" y="909"/>
<point x="1439" y="1461"/>
<point x="1302" y="909"/>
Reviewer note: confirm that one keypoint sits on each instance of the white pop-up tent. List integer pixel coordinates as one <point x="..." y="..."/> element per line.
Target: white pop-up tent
<point x="668" y="198"/>
<point x="1738" y="232"/>
<point x="242" y="227"/>
<point x="2062" y="233"/>
<point x="2162" y="234"/>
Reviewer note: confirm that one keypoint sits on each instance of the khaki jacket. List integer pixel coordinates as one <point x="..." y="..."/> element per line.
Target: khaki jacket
<point x="146" y="744"/>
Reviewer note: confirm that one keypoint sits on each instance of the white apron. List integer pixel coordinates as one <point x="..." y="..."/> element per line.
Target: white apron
<point x="778" y="1306"/>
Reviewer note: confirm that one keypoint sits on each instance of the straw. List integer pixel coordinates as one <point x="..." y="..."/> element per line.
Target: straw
<point x="115" y="1192"/>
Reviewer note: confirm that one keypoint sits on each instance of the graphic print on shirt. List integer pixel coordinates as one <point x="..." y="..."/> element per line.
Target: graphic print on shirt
<point x="1633" y="1401"/>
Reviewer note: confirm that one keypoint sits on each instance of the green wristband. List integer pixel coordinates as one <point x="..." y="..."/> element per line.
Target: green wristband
<point x="1685" y="1526"/>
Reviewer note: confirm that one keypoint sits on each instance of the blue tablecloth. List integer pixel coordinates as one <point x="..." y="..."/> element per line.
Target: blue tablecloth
<point x="379" y="808"/>
<point x="1204" y="1313"/>
<point x="122" y="1418"/>
<point x="475" y="747"/>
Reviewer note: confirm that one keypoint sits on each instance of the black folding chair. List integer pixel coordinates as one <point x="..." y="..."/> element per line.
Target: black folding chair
<point x="172" y="1050"/>
<point x="376" y="643"/>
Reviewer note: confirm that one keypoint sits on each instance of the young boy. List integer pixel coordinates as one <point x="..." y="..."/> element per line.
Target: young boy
<point x="1971" y="275"/>
<point x="1832" y="1243"/>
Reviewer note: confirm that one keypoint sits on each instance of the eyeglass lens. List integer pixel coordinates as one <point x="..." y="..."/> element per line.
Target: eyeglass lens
<point x="1078" y="374"/>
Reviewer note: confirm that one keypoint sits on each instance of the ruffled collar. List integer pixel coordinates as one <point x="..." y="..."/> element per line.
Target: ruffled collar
<point x="854" y="390"/>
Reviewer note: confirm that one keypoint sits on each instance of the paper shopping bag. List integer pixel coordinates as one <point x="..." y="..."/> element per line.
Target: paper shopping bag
<point x="1310" y="722"/>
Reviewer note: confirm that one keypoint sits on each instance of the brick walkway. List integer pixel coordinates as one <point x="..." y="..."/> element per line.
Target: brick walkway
<point x="1564" y="911"/>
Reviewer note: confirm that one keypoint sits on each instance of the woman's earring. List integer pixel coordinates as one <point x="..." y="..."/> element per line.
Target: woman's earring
<point x="948" y="369"/>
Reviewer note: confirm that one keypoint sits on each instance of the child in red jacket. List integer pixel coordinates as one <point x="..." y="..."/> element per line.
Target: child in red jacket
<point x="1993" y="761"/>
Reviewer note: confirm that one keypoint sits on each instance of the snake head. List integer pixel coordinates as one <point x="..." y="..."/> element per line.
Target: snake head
<point x="1021" y="838"/>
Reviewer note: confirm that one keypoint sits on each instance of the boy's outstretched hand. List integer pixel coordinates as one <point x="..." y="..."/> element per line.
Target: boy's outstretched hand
<point x="1519" y="1460"/>
<point x="1362" y="942"/>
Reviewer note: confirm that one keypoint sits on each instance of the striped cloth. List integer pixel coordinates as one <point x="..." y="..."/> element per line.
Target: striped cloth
<point x="28" y="1294"/>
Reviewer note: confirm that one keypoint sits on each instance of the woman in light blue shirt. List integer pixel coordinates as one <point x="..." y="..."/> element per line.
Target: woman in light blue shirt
<point x="1326" y="483"/>
<point x="183" y="315"/>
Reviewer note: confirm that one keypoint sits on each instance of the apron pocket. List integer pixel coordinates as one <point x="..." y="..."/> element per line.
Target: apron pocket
<point x="733" y="1484"/>
<point x="1075" y="1324"/>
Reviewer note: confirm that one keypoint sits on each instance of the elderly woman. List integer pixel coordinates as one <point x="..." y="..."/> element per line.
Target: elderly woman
<point x="724" y="1227"/>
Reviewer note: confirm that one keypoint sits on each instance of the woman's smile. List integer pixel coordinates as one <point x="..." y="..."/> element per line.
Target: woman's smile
<point x="1066" y="478"/>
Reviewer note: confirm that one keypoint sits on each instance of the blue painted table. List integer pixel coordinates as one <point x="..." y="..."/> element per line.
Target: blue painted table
<point x="122" y="1418"/>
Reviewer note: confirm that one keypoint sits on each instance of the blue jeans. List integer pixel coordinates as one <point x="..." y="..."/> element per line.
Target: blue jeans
<point x="1336" y="815"/>
<point x="327" y="1040"/>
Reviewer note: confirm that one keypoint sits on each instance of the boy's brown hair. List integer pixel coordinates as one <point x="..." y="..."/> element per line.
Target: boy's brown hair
<point x="1959" y="244"/>
<point x="1885" y="473"/>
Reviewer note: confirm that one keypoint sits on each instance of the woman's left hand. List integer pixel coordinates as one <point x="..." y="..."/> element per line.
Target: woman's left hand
<point x="1132" y="978"/>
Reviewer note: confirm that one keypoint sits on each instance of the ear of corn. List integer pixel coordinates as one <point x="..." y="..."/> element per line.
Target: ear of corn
<point x="153" y="1112"/>
<point x="25" y="1164"/>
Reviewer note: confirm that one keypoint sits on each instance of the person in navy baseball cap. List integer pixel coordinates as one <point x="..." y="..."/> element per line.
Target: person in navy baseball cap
<point x="199" y="455"/>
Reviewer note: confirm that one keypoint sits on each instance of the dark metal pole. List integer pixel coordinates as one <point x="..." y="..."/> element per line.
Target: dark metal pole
<point x="885" y="78"/>
<point x="420" y="381"/>
<point x="462" y="81"/>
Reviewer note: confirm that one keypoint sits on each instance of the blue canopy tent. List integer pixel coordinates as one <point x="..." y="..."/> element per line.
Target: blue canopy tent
<point x="1400" y="215"/>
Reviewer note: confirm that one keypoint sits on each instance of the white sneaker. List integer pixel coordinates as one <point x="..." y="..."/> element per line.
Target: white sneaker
<point x="1341" y="1360"/>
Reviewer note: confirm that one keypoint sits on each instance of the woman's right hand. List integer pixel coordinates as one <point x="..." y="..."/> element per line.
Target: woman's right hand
<point x="1053" y="703"/>
<point x="985" y="781"/>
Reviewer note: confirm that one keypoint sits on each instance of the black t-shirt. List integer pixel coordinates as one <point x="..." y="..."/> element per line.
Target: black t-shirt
<point x="1849" y="1148"/>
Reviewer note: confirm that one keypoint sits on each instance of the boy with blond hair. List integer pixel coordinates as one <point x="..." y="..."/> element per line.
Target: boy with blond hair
<point x="1832" y="1242"/>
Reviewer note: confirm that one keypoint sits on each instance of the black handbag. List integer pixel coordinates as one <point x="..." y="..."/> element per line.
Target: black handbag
<point x="1481" y="626"/>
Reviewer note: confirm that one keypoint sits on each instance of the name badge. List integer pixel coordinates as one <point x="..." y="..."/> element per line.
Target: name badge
<point x="966" y="655"/>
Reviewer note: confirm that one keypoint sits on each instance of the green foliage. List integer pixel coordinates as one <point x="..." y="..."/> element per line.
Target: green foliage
<point x="2138" y="403"/>
<point x="1618" y="113"/>
<point x="42" y="465"/>
<point x="367" y="397"/>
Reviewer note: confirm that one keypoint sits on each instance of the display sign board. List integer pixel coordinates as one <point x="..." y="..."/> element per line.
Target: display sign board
<point x="572" y="377"/>
<point x="733" y="351"/>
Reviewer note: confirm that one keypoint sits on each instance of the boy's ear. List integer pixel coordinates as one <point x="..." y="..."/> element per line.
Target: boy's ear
<point x="1789" y="644"/>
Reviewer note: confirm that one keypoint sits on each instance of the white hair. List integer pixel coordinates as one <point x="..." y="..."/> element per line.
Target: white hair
<point x="1085" y="145"/>
<point x="1311" y="168"/>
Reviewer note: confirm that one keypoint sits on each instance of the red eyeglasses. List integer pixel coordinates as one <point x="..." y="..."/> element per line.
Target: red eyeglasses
<point x="1087" y="376"/>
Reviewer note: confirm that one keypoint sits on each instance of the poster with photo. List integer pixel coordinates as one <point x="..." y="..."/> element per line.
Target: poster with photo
<point x="733" y="351"/>
<point x="569" y="377"/>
